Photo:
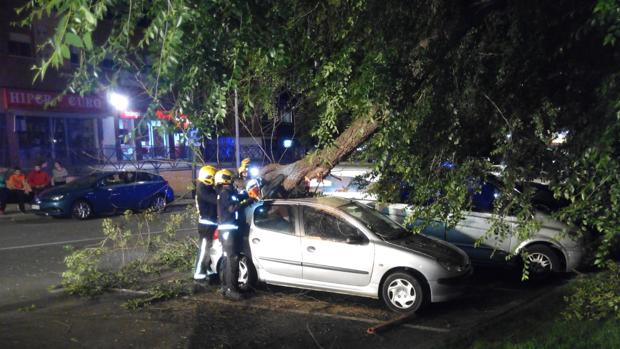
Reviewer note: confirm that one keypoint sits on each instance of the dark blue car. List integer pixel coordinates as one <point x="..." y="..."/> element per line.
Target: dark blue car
<point x="104" y="193"/>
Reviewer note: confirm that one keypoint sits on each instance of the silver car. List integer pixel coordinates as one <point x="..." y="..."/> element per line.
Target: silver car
<point x="552" y="248"/>
<point x="341" y="246"/>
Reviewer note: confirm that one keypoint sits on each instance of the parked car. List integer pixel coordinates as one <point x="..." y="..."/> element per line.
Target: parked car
<point x="341" y="246"/>
<point x="104" y="193"/>
<point x="553" y="248"/>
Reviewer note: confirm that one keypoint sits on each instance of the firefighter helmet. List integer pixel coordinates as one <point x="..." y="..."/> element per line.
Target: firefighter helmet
<point x="206" y="174"/>
<point x="253" y="189"/>
<point x="223" y="176"/>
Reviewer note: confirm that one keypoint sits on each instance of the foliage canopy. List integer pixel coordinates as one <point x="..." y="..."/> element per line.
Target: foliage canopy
<point x="476" y="83"/>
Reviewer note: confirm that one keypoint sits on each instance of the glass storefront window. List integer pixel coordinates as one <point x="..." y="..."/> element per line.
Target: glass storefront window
<point x="4" y="146"/>
<point x="33" y="135"/>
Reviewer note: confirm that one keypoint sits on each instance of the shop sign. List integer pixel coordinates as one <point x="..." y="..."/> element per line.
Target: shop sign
<point x="130" y="115"/>
<point x="38" y="100"/>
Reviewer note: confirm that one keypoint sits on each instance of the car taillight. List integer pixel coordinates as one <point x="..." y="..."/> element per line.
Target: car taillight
<point x="216" y="234"/>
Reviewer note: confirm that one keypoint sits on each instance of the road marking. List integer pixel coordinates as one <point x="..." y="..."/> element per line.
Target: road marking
<point x="69" y="242"/>
<point x="320" y="314"/>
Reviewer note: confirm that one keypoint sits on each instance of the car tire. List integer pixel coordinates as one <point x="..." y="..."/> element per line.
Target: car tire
<point x="403" y="293"/>
<point x="543" y="261"/>
<point x="158" y="204"/>
<point x="81" y="210"/>
<point x="247" y="273"/>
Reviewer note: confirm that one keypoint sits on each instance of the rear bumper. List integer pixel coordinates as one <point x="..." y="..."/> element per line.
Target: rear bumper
<point x="449" y="288"/>
<point x="573" y="258"/>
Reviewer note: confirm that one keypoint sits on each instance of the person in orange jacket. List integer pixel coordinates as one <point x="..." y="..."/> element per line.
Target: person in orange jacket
<point x="19" y="187"/>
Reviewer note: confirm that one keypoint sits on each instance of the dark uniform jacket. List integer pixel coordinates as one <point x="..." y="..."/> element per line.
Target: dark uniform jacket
<point x="227" y="206"/>
<point x="206" y="201"/>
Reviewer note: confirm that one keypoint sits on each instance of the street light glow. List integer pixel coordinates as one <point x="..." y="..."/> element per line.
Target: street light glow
<point x="118" y="101"/>
<point x="287" y="143"/>
<point x="254" y="172"/>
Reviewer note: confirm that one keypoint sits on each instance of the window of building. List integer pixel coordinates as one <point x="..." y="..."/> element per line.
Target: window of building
<point x="20" y="45"/>
<point x="287" y="117"/>
<point x="4" y="147"/>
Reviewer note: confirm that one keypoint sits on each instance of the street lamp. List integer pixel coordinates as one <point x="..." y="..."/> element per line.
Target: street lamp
<point x="121" y="104"/>
<point x="287" y="143"/>
<point x="118" y="101"/>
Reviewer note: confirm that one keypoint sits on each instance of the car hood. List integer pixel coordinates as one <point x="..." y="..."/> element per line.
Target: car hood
<point x="437" y="249"/>
<point x="61" y="190"/>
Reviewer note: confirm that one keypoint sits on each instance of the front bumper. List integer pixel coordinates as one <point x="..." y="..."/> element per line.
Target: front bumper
<point x="449" y="288"/>
<point x="50" y="208"/>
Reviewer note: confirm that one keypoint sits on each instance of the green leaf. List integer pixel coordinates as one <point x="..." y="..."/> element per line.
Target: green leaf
<point x="90" y="18"/>
<point x="64" y="50"/>
<point x="73" y="39"/>
<point x="88" y="41"/>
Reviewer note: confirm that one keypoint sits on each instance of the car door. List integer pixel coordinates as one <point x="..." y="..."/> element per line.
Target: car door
<point x="474" y="226"/>
<point x="275" y="241"/>
<point x="145" y="188"/>
<point x="334" y="250"/>
<point x="113" y="192"/>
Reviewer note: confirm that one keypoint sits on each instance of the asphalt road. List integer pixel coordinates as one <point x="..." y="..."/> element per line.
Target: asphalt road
<point x="31" y="256"/>
<point x="32" y="250"/>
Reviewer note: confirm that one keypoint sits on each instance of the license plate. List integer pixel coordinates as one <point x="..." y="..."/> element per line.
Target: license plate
<point x="35" y="207"/>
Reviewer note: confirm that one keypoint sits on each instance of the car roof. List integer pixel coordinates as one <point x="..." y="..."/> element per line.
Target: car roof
<point x="320" y="200"/>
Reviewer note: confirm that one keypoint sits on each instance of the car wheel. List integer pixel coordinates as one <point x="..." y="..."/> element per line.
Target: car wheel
<point x="247" y="274"/>
<point x="542" y="261"/>
<point x="81" y="210"/>
<point x="158" y="204"/>
<point x="403" y="293"/>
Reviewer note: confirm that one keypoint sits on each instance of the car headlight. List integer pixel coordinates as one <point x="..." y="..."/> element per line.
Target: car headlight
<point x="57" y="197"/>
<point x="450" y="266"/>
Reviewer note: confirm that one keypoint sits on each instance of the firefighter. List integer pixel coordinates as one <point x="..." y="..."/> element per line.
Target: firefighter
<point x="206" y="204"/>
<point x="228" y="227"/>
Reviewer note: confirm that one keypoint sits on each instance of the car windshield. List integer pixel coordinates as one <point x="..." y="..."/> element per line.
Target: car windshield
<point x="86" y="181"/>
<point x="375" y="221"/>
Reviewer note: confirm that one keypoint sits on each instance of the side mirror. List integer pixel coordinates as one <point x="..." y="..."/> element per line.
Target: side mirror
<point x="354" y="240"/>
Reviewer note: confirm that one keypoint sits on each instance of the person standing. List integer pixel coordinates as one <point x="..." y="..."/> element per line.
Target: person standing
<point x="206" y="204"/>
<point x="19" y="188"/>
<point x="4" y="192"/>
<point x="38" y="179"/>
<point x="227" y="215"/>
<point x="59" y="174"/>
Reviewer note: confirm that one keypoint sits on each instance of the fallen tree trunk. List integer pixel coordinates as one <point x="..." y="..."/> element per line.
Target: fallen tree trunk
<point x="318" y="164"/>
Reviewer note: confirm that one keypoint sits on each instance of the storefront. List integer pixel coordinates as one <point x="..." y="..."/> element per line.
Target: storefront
<point x="140" y="138"/>
<point x="33" y="130"/>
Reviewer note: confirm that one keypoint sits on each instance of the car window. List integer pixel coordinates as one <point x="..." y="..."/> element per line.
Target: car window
<point x="113" y="179"/>
<point x="128" y="177"/>
<point x="323" y="225"/>
<point x="483" y="200"/>
<point x="143" y="177"/>
<point x="278" y="218"/>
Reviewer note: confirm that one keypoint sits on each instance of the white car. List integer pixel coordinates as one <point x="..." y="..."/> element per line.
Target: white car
<point x="550" y="249"/>
<point x="341" y="246"/>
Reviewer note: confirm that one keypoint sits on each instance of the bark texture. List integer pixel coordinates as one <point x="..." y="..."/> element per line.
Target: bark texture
<point x="319" y="164"/>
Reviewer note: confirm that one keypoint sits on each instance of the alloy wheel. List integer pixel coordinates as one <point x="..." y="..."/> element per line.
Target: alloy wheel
<point x="159" y="204"/>
<point x="401" y="293"/>
<point x="81" y="210"/>
<point x="540" y="261"/>
<point x="243" y="272"/>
